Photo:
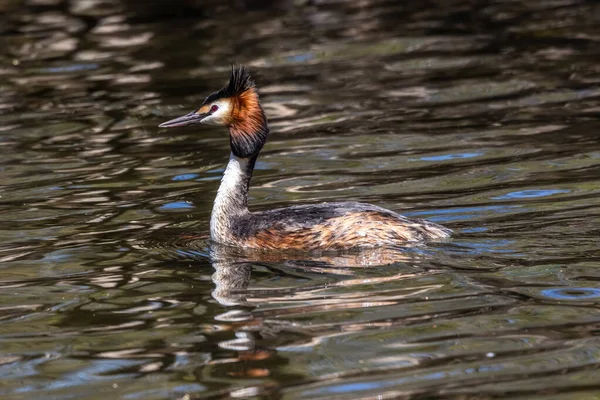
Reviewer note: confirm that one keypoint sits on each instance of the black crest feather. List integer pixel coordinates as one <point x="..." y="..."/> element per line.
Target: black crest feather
<point x="239" y="82"/>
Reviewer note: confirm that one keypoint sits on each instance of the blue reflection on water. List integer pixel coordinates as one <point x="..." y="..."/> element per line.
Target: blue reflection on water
<point x="475" y="230"/>
<point x="351" y="387"/>
<point x="489" y="246"/>
<point x="384" y="384"/>
<point x="184" y="177"/>
<point x="176" y="205"/>
<point x="571" y="293"/>
<point x="71" y="68"/>
<point x="300" y="58"/>
<point x="528" y="194"/>
<point x="445" y="157"/>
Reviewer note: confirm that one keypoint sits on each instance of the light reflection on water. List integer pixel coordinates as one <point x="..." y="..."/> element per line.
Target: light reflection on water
<point x="482" y="117"/>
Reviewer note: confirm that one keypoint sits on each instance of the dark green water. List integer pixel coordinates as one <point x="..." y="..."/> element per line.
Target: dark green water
<point x="480" y="115"/>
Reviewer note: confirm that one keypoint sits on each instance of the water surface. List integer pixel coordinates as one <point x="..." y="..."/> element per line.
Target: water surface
<point x="482" y="116"/>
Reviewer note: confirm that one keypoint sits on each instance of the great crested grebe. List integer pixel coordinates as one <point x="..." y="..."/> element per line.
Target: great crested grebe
<point x="325" y="226"/>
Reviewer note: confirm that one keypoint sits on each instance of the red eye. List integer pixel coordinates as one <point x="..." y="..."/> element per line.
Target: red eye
<point x="214" y="108"/>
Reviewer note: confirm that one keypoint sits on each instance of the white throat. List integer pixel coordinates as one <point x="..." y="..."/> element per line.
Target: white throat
<point x="231" y="199"/>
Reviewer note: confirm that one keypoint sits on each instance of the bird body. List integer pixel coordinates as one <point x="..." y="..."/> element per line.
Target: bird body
<point x="325" y="226"/>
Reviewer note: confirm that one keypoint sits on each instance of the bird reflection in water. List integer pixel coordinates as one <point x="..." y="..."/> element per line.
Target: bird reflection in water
<point x="258" y="314"/>
<point x="264" y="291"/>
<point x="233" y="270"/>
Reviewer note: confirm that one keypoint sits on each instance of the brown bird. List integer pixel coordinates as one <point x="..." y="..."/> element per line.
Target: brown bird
<point x="324" y="226"/>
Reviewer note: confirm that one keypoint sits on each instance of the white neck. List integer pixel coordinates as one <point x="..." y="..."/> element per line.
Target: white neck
<point x="231" y="200"/>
